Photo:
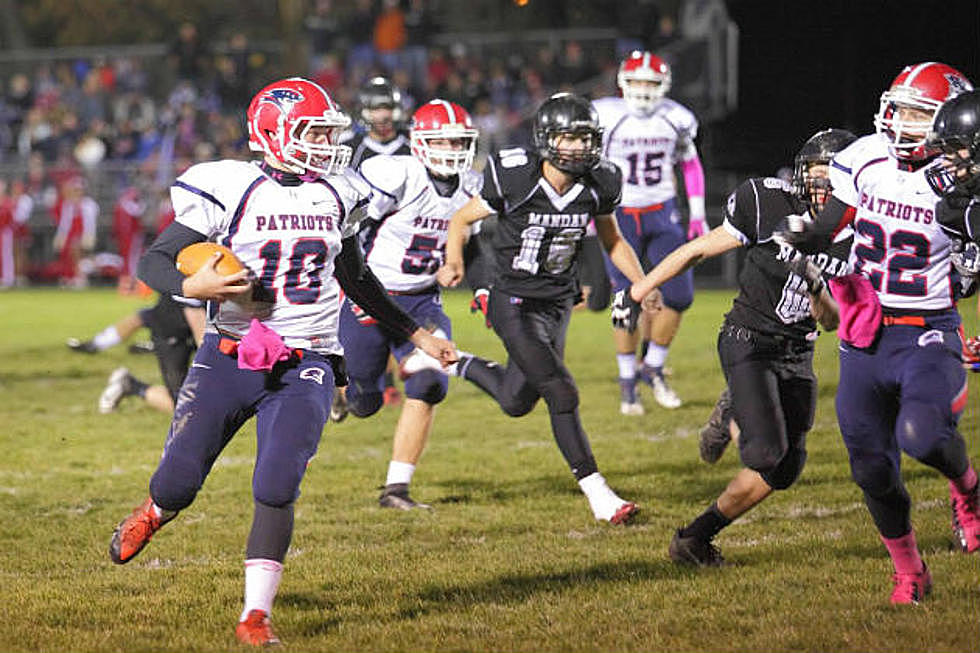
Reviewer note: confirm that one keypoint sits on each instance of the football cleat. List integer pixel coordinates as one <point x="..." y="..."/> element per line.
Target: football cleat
<point x="694" y="551"/>
<point x="396" y="496"/>
<point x="662" y="392"/>
<point x="966" y="518"/>
<point x="624" y="514"/>
<point x="116" y="388"/>
<point x="338" y="407"/>
<point x="145" y="347"/>
<point x="629" y="403"/>
<point x="415" y="362"/>
<point x="715" y="435"/>
<point x="256" y="630"/>
<point x="134" y="532"/>
<point x="608" y="506"/>
<point x="911" y="588"/>
<point x="82" y="346"/>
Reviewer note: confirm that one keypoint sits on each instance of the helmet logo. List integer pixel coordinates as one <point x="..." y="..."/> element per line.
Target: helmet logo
<point x="957" y="84"/>
<point x="282" y="97"/>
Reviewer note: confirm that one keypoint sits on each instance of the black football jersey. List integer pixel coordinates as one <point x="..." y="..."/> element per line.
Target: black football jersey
<point x="959" y="216"/>
<point x="771" y="298"/>
<point x="539" y="232"/>
<point x="364" y="148"/>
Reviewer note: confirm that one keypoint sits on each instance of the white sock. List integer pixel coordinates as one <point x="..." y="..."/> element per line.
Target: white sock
<point x="656" y="355"/>
<point x="107" y="337"/>
<point x="262" y="578"/>
<point x="603" y="501"/>
<point x="593" y="484"/>
<point x="627" y="365"/>
<point x="399" y="472"/>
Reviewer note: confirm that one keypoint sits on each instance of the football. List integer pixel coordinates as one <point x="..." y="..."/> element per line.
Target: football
<point x="191" y="258"/>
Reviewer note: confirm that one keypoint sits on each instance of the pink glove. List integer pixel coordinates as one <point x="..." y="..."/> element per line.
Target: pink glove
<point x="696" y="226"/>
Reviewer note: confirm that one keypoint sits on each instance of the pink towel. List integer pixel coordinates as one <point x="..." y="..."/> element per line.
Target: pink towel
<point x="261" y="348"/>
<point x="860" y="310"/>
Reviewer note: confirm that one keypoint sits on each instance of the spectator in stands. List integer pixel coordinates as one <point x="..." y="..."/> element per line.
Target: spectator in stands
<point x="187" y="54"/>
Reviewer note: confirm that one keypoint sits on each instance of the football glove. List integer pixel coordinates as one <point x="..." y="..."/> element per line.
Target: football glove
<point x="809" y="272"/>
<point x="625" y="310"/>
<point x="479" y="303"/>
<point x="966" y="259"/>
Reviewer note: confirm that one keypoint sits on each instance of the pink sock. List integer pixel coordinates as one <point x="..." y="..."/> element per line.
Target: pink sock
<point x="904" y="553"/>
<point x="965" y="484"/>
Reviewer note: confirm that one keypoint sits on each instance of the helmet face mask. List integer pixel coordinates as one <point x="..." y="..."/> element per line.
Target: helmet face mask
<point x="906" y="110"/>
<point x="443" y="138"/>
<point x="567" y="133"/>
<point x="955" y="134"/>
<point x="644" y="80"/>
<point x="811" y="182"/>
<point x="296" y="123"/>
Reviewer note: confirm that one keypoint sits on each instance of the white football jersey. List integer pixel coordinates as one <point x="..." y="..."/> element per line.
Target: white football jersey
<point x="646" y="148"/>
<point x="898" y="243"/>
<point x="288" y="236"/>
<point x="405" y="238"/>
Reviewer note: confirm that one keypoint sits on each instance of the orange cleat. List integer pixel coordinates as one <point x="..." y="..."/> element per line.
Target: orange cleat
<point x="256" y="630"/>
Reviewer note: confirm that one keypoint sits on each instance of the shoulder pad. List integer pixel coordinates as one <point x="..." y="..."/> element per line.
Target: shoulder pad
<point x="516" y="171"/>
<point x="775" y="183"/>
<point x="385" y="172"/>
<point x="471" y="182"/>
<point x="608" y="178"/>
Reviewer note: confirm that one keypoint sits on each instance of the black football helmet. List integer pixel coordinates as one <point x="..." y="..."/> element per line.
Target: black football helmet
<point x="819" y="149"/>
<point x="956" y="127"/>
<point x="380" y="93"/>
<point x="565" y="113"/>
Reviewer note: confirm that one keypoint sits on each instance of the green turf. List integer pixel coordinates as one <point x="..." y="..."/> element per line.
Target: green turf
<point x="509" y="559"/>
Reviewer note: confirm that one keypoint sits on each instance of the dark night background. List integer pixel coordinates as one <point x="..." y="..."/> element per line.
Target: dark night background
<point x="809" y="65"/>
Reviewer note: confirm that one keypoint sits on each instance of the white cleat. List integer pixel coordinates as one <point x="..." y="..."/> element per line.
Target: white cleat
<point x="114" y="391"/>
<point x="417" y="361"/>
<point x="664" y="394"/>
<point x="632" y="409"/>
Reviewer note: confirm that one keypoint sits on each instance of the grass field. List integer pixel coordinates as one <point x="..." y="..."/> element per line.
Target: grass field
<point x="509" y="559"/>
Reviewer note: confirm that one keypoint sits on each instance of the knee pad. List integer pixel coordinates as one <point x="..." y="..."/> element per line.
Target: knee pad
<point x="428" y="386"/>
<point x="516" y="407"/>
<point x="363" y="400"/>
<point x="920" y="428"/>
<point x="560" y="394"/>
<point x="875" y="476"/>
<point x="787" y="471"/>
<point x="176" y="483"/>
<point x="678" y="293"/>
<point x="760" y="457"/>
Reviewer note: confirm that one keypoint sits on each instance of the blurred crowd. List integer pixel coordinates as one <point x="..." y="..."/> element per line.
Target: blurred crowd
<point x="89" y="147"/>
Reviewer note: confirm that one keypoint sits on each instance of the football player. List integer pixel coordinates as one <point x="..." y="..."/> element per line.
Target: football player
<point x="766" y="342"/>
<point x="956" y="179"/>
<point x="381" y="115"/>
<point x="271" y="349"/>
<point x="646" y="134"/>
<point x="907" y="390"/>
<point x="176" y="330"/>
<point x="404" y="237"/>
<point x="544" y="199"/>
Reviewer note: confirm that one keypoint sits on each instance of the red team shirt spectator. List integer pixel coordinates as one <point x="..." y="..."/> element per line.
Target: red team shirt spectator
<point x="75" y="215"/>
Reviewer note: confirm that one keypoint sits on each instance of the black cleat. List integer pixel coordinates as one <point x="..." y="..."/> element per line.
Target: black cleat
<point x="141" y="347"/>
<point x="82" y="346"/>
<point x="715" y="436"/>
<point x="396" y="496"/>
<point x="694" y="551"/>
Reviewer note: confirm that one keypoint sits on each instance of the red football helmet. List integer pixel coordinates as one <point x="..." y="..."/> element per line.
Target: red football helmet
<point x="923" y="86"/>
<point x="280" y="116"/>
<point x="643" y="67"/>
<point x="440" y="119"/>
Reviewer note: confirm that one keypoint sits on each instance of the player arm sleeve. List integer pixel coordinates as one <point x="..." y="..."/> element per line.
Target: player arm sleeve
<point x="156" y="268"/>
<point x="364" y="289"/>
